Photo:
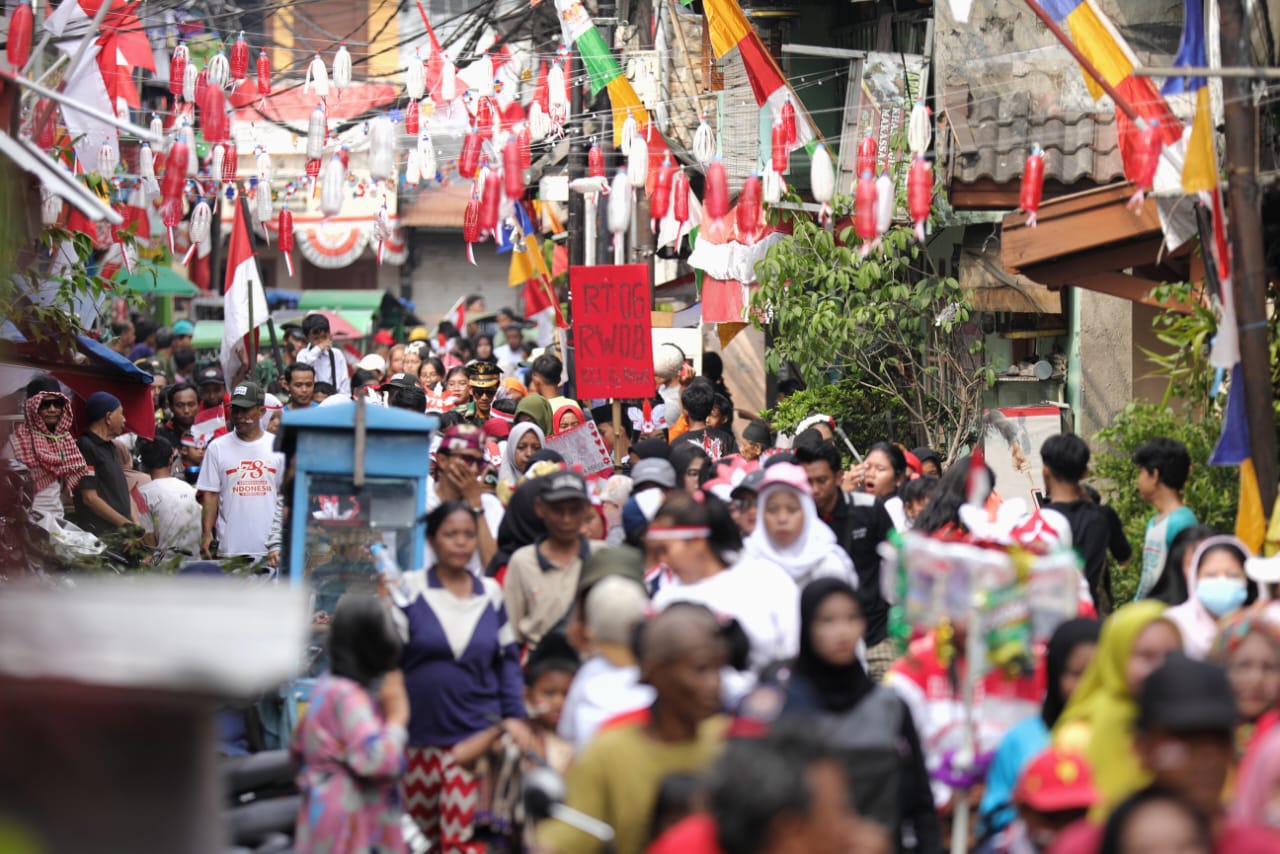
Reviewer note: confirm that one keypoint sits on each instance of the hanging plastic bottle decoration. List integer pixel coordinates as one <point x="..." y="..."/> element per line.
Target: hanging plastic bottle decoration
<point x="780" y="156"/>
<point x="107" y="160"/>
<point x="45" y="120"/>
<point x="471" y="226"/>
<point x="512" y="171"/>
<point x="415" y="78"/>
<point x="919" y="195"/>
<point x="317" y="130"/>
<point x="157" y="128"/>
<point x="525" y="143"/>
<point x="629" y="132"/>
<point x="190" y="79"/>
<point x="885" y="202"/>
<point x="230" y="163"/>
<point x="749" y="212"/>
<point x="317" y="79"/>
<point x="147" y="172"/>
<point x="50" y="206"/>
<point x="469" y="159"/>
<point x="188" y="135"/>
<point x="919" y="129"/>
<point x="680" y="201"/>
<point x="333" y="187"/>
<point x="217" y="159"/>
<point x="197" y="228"/>
<point x="557" y="96"/>
<point x="239" y="58"/>
<point x="619" y="209"/>
<point x="412" y="168"/>
<point x="174" y="185"/>
<point x="490" y="202"/>
<point x="213" y="115"/>
<point x="18" y="49"/>
<point x="427" y="157"/>
<point x="787" y="117"/>
<point x="864" y="211"/>
<point x="1144" y="162"/>
<point x="411" y="118"/>
<point x="660" y="200"/>
<point x="638" y="162"/>
<point x="171" y="216"/>
<point x="381" y="229"/>
<point x="704" y="143"/>
<point x="342" y="67"/>
<point x="263" y="164"/>
<point x="219" y="69"/>
<point x="284" y="236"/>
<point x="868" y="151"/>
<point x="382" y="149"/>
<point x="539" y="122"/>
<point x="716" y="199"/>
<point x="822" y="181"/>
<point x="202" y="85"/>
<point x="1032" y="185"/>
<point x="264" y="77"/>
<point x="771" y="186"/>
<point x="262" y="196"/>
<point x="448" y="82"/>
<point x="484" y="119"/>
<point x="595" y="161"/>
<point x="178" y="68"/>
<point x="344" y="154"/>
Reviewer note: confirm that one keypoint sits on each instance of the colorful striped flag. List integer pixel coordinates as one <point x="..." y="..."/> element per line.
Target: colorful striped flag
<point x="1200" y="170"/>
<point x="730" y="30"/>
<point x="602" y="68"/>
<point x="1233" y="450"/>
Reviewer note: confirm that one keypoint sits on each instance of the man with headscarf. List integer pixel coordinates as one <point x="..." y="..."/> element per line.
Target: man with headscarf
<point x="44" y="444"/>
<point x="102" y="500"/>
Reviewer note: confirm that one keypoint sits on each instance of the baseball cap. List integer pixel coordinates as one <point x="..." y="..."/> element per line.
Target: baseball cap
<point x="750" y="483"/>
<point x="418" y="333"/>
<point x="1183" y="695"/>
<point x="758" y="432"/>
<point x="384" y="336"/>
<point x="1056" y="781"/>
<point x="401" y="380"/>
<point x="462" y="437"/>
<point x="247" y="393"/>
<point x="654" y="471"/>
<point x="205" y="376"/>
<point x="614" y="560"/>
<point x="373" y="362"/>
<point x="184" y="327"/>
<point x="789" y="475"/>
<point x="566" y="485"/>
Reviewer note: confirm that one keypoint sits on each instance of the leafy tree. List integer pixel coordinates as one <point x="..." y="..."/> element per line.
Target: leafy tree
<point x="865" y="416"/>
<point x="885" y="323"/>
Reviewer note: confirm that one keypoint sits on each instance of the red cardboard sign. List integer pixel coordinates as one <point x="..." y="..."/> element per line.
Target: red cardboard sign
<point x="612" y="331"/>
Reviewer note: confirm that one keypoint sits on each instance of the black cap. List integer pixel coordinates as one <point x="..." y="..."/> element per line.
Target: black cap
<point x="564" y="486"/>
<point x="1184" y="695"/>
<point x="757" y="431"/>
<point x="209" y="375"/>
<point x="247" y="394"/>
<point x="750" y="483"/>
<point x="402" y="380"/>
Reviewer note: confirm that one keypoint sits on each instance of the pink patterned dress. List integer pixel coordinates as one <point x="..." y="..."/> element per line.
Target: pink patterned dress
<point x="350" y="761"/>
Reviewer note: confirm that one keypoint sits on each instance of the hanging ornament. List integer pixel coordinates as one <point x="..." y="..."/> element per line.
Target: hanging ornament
<point x="484" y="119"/>
<point x="157" y="128"/>
<point x="704" y="143"/>
<point x="333" y="187"/>
<point x="593" y="187"/>
<point x="660" y="200"/>
<point x="18" y="49"/>
<point x="749" y="213"/>
<point x="123" y="111"/>
<point x="344" y="154"/>
<point x="219" y="69"/>
<point x="780" y="157"/>
<point x="884" y="206"/>
<point x="173" y="185"/>
<point x="448" y="82"/>
<point x="317" y="130"/>
<point x="415" y="78"/>
<point x="317" y="78"/>
<point x="471" y="226"/>
<point x="263" y="164"/>
<point x="46" y="124"/>
<point x="381" y="229"/>
<point x="771" y="185"/>
<point x="284" y="237"/>
<point x="411" y="118"/>
<point x="619" y="210"/>
<point x="230" y="163"/>
<point x="217" y="160"/>
<point x="202" y="85"/>
<point x="188" y="134"/>
<point x="107" y="160"/>
<point x="629" y="132"/>
<point x="512" y="171"/>
<point x="190" y="78"/>
<point x="1141" y="170"/>
<point x="239" y="58"/>
<point x="787" y="118"/>
<point x="716" y="196"/>
<point x="50" y="206"/>
<point x="264" y="76"/>
<point x="382" y="149"/>
<point x="864" y="211"/>
<point x="262" y="196"/>
<point x="178" y="68"/>
<point x="539" y="123"/>
<point x="822" y="181"/>
<point x="469" y="159"/>
<point x="490" y="201"/>
<point x="595" y="161"/>
<point x="680" y="201"/>
<point x="1032" y="185"/>
<point x="213" y="115"/>
<point x="525" y="144"/>
<point x="638" y="162"/>
<point x="147" y="171"/>
<point x="342" y="67"/>
<point x="313" y="172"/>
<point x="427" y="157"/>
<point x="171" y="216"/>
<point x="557" y="96"/>
<point x="197" y="228"/>
<point x="919" y="130"/>
<point x="868" y="151"/>
<point x="919" y="195"/>
<point x="413" y="169"/>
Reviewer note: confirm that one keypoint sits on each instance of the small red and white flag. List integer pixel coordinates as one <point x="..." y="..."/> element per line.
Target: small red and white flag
<point x="244" y="302"/>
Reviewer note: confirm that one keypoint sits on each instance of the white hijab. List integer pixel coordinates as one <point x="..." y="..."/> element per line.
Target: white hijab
<point x="815" y="546"/>
<point x="508" y="471"/>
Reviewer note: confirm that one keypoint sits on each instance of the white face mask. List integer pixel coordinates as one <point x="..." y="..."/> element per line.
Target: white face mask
<point x="1221" y="596"/>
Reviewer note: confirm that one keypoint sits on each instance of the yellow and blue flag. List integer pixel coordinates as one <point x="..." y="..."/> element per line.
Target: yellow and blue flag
<point x="1233" y="450"/>
<point x="1200" y="170"/>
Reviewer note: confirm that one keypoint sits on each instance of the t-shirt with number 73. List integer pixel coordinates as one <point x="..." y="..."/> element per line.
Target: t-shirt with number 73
<point x="247" y="477"/>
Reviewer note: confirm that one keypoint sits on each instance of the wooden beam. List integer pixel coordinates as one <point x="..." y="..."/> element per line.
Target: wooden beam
<point x="1067" y="270"/>
<point x="1116" y="284"/>
<point x="1080" y="223"/>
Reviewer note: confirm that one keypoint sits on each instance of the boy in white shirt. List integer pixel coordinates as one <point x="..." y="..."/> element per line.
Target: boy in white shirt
<point x="169" y="511"/>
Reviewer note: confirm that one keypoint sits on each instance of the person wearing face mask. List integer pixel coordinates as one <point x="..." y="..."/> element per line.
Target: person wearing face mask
<point x="1219" y="588"/>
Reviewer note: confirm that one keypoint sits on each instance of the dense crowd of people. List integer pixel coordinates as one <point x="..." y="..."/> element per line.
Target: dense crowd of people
<point x="698" y="639"/>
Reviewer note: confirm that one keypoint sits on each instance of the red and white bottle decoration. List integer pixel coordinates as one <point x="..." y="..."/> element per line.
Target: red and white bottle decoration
<point x="342" y="67"/>
<point x="173" y="187"/>
<point x="18" y="48"/>
<point x="317" y="79"/>
<point x="680" y="202"/>
<point x="381" y="229"/>
<point x="864" y="211"/>
<point x="1032" y="185"/>
<point x="239" y="59"/>
<point x="198" y="228"/>
<point x="660" y="201"/>
<point x="750" y="219"/>
<point x="919" y="195"/>
<point x="868" y="151"/>
<point x="264" y="77"/>
<point x="382" y="149"/>
<point x="822" y="181"/>
<point x="618" y="212"/>
<point x="333" y="186"/>
<point x="715" y="201"/>
<point x="885" y="202"/>
<point x="284" y="236"/>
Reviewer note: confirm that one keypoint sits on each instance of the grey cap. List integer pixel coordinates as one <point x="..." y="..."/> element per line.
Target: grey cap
<point x="653" y="471"/>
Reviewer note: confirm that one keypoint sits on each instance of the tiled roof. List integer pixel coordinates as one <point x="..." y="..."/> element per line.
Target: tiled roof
<point x="994" y="133"/>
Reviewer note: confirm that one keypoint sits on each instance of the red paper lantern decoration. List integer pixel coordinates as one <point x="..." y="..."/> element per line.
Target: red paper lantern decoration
<point x="239" y="59"/>
<point x="512" y="173"/>
<point x="230" y="162"/>
<point x="284" y="236"/>
<point x="781" y="158"/>
<point x="264" y="74"/>
<point x="471" y="226"/>
<point x="490" y="200"/>
<point x="919" y="194"/>
<point x="595" y="162"/>
<point x="178" y="69"/>
<point x="788" y="121"/>
<point x="749" y="210"/>
<point x="660" y="199"/>
<point x="1032" y="185"/>
<point x="411" y="118"/>
<point x="469" y="159"/>
<point x="19" y="46"/>
<point x="716" y="201"/>
<point x="864" y="210"/>
<point x="867" y="153"/>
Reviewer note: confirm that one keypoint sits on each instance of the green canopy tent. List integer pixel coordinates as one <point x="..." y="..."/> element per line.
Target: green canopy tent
<point x="365" y="310"/>
<point x="161" y="283"/>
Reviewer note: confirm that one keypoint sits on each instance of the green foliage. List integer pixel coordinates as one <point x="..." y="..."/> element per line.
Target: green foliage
<point x="867" y="416"/>
<point x="885" y="323"/>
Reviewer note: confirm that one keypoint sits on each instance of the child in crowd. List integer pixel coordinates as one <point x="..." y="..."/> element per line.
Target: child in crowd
<point x="1163" y="465"/>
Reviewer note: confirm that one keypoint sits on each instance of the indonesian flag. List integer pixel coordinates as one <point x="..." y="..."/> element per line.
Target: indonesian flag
<point x="245" y="302"/>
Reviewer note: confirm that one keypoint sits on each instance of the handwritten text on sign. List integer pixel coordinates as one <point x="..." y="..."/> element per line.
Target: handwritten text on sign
<point x="612" y="331"/>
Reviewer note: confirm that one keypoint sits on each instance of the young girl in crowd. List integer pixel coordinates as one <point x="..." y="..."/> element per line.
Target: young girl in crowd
<point x="349" y="748"/>
<point x="462" y="673"/>
<point x="789" y="534"/>
<point x="882" y="473"/>
<point x="1248" y="647"/>
<point x="1070" y="651"/>
<point x="692" y="466"/>
<point x="1098" y="720"/>
<point x="523" y="442"/>
<point x="1217" y="588"/>
<point x="431" y="374"/>
<point x="457" y="386"/>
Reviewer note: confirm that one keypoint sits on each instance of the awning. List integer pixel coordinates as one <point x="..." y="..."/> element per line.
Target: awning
<point x="340" y="299"/>
<point x="56" y="178"/>
<point x="157" y="280"/>
<point x="208" y="335"/>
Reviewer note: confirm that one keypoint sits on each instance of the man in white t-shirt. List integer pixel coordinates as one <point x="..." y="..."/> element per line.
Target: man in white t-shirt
<point x="240" y="479"/>
<point x="169" y="511"/>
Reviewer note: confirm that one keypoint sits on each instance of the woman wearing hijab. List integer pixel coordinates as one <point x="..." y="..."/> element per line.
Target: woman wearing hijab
<point x="1217" y="588"/>
<point x="535" y="408"/>
<point x="1098" y="720"/>
<point x="521" y="526"/>
<point x="866" y="722"/>
<point x="566" y="418"/>
<point x="524" y="440"/>
<point x="1248" y="648"/>
<point x="43" y="442"/>
<point x="1071" y="649"/>
<point x="789" y="533"/>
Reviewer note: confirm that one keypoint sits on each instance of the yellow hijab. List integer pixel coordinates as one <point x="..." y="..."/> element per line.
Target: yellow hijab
<point x="1098" y="720"/>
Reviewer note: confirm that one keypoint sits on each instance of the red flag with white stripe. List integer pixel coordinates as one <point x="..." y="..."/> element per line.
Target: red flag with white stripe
<point x="244" y="303"/>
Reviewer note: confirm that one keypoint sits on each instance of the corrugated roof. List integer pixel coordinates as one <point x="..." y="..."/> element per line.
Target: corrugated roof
<point x="995" y="133"/>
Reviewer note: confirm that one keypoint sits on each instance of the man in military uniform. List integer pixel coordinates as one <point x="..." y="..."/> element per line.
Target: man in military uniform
<point x="484" y="378"/>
